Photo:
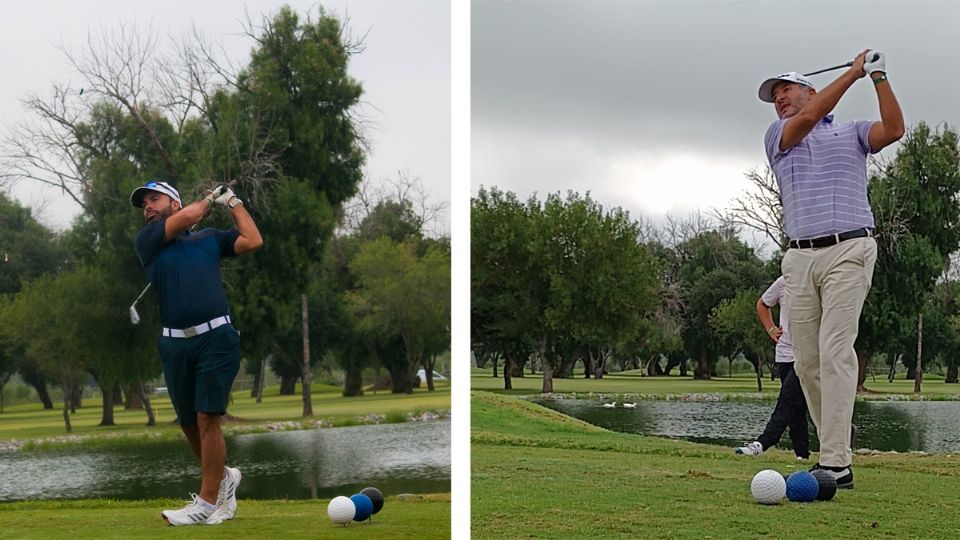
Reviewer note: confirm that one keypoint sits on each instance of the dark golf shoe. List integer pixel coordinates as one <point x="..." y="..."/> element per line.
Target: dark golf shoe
<point x="843" y="475"/>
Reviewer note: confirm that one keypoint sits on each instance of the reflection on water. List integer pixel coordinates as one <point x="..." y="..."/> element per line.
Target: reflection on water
<point x="321" y="463"/>
<point x="929" y="426"/>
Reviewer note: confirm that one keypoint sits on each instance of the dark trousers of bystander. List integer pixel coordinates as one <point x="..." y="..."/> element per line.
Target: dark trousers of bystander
<point x="791" y="411"/>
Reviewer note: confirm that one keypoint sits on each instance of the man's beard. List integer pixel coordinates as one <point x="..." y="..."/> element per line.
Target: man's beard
<point x="163" y="213"/>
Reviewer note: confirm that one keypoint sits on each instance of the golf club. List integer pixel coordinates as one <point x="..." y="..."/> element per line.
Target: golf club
<point x="134" y="316"/>
<point x="841" y="66"/>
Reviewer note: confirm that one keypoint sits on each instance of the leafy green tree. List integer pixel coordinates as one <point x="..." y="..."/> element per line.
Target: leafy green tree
<point x="27" y="250"/>
<point x="735" y="323"/>
<point x="565" y="279"/>
<point x="403" y="295"/>
<point x="501" y="303"/>
<point x="714" y="266"/>
<point x="918" y="226"/>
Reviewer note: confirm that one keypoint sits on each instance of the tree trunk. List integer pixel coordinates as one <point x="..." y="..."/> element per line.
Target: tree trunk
<point x="305" y="366"/>
<point x="508" y="371"/>
<point x="702" y="372"/>
<point x="108" y="393"/>
<point x="919" y="380"/>
<point x="516" y="366"/>
<point x="952" y="373"/>
<point x="353" y="381"/>
<point x="66" y="405"/>
<point x="587" y="364"/>
<point x="36" y="381"/>
<point x="862" y="359"/>
<point x="683" y="367"/>
<point x="3" y="382"/>
<point x="400" y="379"/>
<point x="653" y="366"/>
<point x="262" y="378"/>
<point x="599" y="365"/>
<point x="288" y="385"/>
<point x="66" y="416"/>
<point x="76" y="398"/>
<point x="496" y="360"/>
<point x="759" y="375"/>
<point x="133" y="397"/>
<point x="547" y="376"/>
<point x="151" y="418"/>
<point x="428" y="370"/>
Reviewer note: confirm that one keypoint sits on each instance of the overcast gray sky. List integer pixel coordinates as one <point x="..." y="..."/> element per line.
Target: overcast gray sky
<point x="405" y="70"/>
<point x="652" y="105"/>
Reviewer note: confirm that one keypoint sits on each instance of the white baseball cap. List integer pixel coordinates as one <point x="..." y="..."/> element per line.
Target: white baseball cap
<point x="136" y="198"/>
<point x="766" y="89"/>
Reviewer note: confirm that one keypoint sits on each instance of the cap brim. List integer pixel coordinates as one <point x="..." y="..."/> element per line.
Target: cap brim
<point x="136" y="198"/>
<point x="766" y="89"/>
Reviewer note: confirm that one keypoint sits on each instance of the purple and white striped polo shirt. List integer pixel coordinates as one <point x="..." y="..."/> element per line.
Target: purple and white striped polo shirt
<point x="823" y="178"/>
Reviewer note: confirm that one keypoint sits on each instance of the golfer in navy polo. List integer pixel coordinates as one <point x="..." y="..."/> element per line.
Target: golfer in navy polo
<point x="821" y="169"/>
<point x="198" y="345"/>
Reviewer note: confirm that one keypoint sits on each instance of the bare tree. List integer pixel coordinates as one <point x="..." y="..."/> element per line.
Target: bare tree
<point x="678" y="230"/>
<point x="758" y="208"/>
<point x="121" y="68"/>
<point x="405" y="189"/>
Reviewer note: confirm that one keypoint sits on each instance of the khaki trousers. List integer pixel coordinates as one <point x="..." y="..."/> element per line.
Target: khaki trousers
<point x="826" y="288"/>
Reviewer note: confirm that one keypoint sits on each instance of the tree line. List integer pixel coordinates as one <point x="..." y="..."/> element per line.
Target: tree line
<point x="565" y="282"/>
<point x="358" y="266"/>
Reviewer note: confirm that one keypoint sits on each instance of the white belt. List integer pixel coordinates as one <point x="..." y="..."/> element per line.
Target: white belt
<point x="198" y="329"/>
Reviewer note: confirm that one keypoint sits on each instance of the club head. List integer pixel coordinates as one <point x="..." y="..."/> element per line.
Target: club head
<point x="134" y="316"/>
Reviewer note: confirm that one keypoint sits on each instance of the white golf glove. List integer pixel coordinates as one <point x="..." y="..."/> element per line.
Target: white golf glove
<point x="222" y="195"/>
<point x="880" y="64"/>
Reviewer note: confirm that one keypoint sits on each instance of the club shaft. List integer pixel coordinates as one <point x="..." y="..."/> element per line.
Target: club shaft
<point x="841" y="66"/>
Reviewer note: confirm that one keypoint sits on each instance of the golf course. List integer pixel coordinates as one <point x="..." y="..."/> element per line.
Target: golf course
<point x="28" y="430"/>
<point x="537" y="473"/>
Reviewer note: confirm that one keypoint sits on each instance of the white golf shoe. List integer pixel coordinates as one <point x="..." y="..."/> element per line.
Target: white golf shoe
<point x="227" y="498"/>
<point x="751" y="449"/>
<point x="193" y="513"/>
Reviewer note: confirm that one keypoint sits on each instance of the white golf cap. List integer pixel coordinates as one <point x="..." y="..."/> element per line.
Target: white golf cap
<point x="136" y="198"/>
<point x="766" y="89"/>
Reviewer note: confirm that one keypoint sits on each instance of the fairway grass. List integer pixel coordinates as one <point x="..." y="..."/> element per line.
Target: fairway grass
<point x="539" y="474"/>
<point x="330" y="408"/>
<point x="411" y="517"/>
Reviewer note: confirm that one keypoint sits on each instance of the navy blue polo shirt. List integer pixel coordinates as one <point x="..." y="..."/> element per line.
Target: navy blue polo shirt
<point x="185" y="272"/>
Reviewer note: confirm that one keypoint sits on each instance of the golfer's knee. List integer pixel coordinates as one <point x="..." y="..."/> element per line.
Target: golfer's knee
<point x="208" y="422"/>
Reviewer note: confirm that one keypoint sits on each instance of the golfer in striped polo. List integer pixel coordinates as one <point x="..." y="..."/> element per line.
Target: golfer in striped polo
<point x="821" y="168"/>
<point x="199" y="347"/>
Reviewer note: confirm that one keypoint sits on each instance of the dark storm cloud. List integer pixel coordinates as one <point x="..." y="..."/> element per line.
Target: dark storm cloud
<point x="667" y="76"/>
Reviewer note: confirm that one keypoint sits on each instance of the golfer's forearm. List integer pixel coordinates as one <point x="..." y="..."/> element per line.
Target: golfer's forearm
<point x="890" y="114"/>
<point x="826" y="100"/>
<point x="187" y="217"/>
<point x="763" y="313"/>
<point x="250" y="239"/>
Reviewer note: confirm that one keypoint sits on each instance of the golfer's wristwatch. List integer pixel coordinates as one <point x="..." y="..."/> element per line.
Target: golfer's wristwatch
<point x="234" y="201"/>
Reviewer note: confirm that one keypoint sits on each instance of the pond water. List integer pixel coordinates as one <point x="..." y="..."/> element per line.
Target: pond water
<point x="412" y="457"/>
<point x="929" y="426"/>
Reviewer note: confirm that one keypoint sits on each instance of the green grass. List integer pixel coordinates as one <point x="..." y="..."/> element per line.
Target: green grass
<point x="412" y="517"/>
<point x="632" y="382"/>
<point x="539" y="474"/>
<point x="30" y="421"/>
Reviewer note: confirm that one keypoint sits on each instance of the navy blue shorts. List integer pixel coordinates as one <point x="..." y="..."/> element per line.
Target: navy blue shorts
<point x="199" y="371"/>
